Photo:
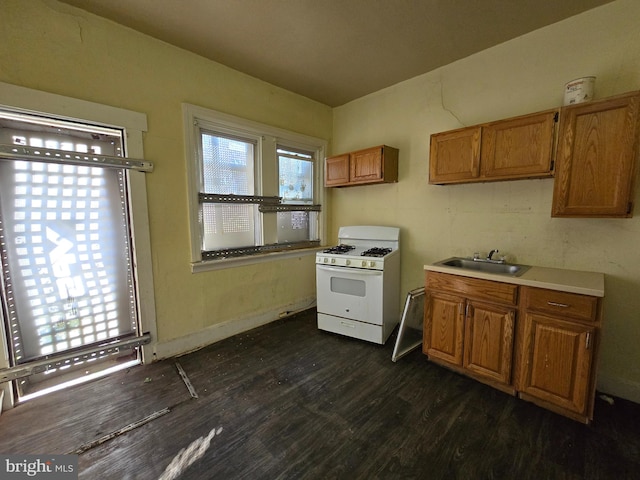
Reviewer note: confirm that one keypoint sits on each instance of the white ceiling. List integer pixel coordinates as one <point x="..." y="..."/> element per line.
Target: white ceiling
<point x="334" y="51"/>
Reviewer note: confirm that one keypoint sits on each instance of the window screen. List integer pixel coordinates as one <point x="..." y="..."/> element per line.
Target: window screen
<point x="228" y="166"/>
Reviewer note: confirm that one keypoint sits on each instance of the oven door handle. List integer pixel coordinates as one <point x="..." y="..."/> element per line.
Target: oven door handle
<point x="345" y="270"/>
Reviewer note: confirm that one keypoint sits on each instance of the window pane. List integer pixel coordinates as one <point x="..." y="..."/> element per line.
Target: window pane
<point x="228" y="165"/>
<point x="228" y="168"/>
<point x="228" y="226"/>
<point x="297" y="226"/>
<point x="296" y="177"/>
<point x="295" y="171"/>
<point x="66" y="248"/>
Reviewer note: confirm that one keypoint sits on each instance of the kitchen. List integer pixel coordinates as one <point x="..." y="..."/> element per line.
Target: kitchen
<point x="45" y="45"/>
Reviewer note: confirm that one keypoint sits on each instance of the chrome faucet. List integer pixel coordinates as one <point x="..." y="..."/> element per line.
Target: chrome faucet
<point x="489" y="259"/>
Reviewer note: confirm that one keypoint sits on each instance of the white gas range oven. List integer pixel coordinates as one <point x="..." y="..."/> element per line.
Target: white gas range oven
<point x="358" y="283"/>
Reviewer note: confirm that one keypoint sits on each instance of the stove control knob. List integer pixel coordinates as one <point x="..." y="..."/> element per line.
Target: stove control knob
<point x="364" y="263"/>
<point x="333" y="260"/>
<point x="348" y="262"/>
<point x="326" y="260"/>
<point x="372" y="264"/>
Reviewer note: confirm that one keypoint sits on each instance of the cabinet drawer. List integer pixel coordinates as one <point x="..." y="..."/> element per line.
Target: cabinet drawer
<point x="504" y="293"/>
<point x="556" y="303"/>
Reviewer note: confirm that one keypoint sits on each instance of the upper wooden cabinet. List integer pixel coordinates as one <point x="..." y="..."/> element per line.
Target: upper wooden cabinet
<point x="336" y="170"/>
<point x="597" y="158"/>
<point x="595" y="161"/>
<point x="519" y="147"/>
<point x="371" y="165"/>
<point x="455" y="156"/>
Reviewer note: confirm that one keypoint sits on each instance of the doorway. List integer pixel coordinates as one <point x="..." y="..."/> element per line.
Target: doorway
<point x="68" y="285"/>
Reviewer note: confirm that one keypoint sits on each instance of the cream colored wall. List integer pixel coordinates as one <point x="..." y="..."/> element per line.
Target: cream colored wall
<point x="51" y="46"/>
<point x="522" y="76"/>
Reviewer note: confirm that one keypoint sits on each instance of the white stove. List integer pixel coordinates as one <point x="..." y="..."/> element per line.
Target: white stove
<point x="362" y="247"/>
<point x="358" y="283"/>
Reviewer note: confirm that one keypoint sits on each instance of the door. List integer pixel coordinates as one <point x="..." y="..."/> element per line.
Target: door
<point x="444" y="327"/>
<point x="67" y="268"/>
<point x="350" y="293"/>
<point x="488" y="341"/>
<point x="557" y="361"/>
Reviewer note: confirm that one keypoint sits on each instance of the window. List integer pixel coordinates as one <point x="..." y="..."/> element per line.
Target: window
<point x="253" y="189"/>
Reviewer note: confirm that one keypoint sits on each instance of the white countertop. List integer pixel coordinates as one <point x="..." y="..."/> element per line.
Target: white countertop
<point x="573" y="281"/>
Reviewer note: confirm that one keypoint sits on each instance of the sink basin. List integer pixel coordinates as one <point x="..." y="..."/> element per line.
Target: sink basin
<point x="510" y="269"/>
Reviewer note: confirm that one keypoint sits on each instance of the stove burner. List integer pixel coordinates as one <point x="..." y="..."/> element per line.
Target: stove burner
<point x="376" y="252"/>
<point x="339" y="249"/>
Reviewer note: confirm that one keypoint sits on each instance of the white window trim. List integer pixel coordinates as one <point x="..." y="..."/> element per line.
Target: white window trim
<point x="193" y="116"/>
<point x="134" y="123"/>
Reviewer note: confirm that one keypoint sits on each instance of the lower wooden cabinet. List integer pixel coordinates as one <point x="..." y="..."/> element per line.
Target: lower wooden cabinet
<point x="469" y="333"/>
<point x="538" y="344"/>
<point x="557" y="362"/>
<point x="444" y="327"/>
<point x="560" y="334"/>
<point x="489" y="333"/>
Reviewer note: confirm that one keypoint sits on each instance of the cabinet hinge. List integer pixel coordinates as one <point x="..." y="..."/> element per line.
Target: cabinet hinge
<point x="587" y="341"/>
<point x="556" y="116"/>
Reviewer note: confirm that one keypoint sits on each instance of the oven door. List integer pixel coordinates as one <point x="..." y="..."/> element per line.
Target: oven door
<point x="351" y="293"/>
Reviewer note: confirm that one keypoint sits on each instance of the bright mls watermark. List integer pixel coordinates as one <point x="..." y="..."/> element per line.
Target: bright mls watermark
<point x="50" y="467"/>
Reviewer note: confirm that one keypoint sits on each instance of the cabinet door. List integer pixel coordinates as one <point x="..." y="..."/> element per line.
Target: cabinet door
<point x="336" y="170"/>
<point x="557" y="361"/>
<point x="596" y="160"/>
<point x="488" y="341"/>
<point x="366" y="165"/>
<point x="455" y="156"/>
<point x="520" y="147"/>
<point x="443" y="327"/>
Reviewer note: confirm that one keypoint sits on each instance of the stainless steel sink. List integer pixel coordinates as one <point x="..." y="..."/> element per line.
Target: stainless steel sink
<point x="511" y="269"/>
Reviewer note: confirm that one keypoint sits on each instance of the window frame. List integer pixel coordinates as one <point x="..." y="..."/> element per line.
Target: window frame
<point x="268" y="139"/>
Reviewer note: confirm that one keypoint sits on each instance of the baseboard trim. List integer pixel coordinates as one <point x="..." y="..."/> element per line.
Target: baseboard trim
<point x="618" y="387"/>
<point x="215" y="333"/>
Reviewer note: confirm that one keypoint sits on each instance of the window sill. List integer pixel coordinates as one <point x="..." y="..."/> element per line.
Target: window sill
<point x="210" y="265"/>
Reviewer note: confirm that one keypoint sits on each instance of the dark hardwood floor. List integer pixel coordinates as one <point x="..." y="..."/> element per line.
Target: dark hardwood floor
<point x="286" y="401"/>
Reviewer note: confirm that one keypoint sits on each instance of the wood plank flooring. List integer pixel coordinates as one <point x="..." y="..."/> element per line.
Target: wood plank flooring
<point x="297" y="403"/>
